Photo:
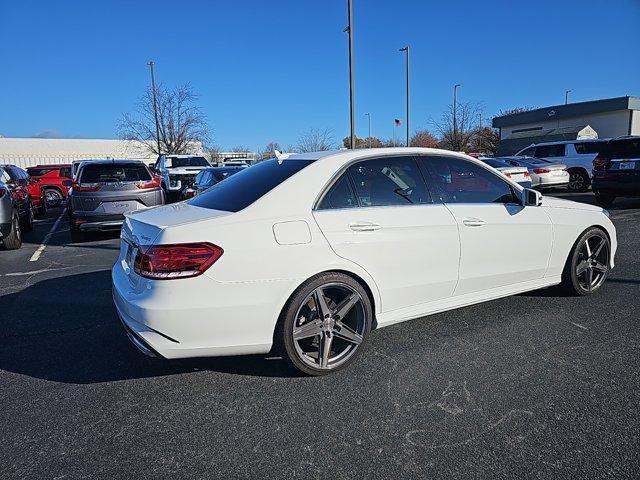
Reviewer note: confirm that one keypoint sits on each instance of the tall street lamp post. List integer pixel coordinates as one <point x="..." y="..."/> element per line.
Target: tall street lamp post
<point x="406" y="50"/>
<point x="155" y="104"/>
<point x="566" y="96"/>
<point x="369" y="116"/>
<point x="352" y="108"/>
<point x="455" y="120"/>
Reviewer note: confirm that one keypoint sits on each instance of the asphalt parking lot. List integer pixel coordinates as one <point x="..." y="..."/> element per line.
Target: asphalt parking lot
<point x="534" y="386"/>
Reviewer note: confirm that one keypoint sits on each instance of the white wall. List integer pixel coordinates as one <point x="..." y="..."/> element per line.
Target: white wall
<point x="609" y="124"/>
<point x="635" y="125"/>
<point x="26" y="152"/>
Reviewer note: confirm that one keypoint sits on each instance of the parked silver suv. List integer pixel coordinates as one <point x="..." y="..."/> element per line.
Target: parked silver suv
<point x="178" y="172"/>
<point x="105" y="190"/>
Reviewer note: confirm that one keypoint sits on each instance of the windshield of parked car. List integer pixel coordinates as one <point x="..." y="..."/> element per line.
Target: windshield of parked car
<point x="188" y="162"/>
<point x="38" y="172"/>
<point x="492" y="162"/>
<point x="248" y="185"/>
<point x="114" y="172"/>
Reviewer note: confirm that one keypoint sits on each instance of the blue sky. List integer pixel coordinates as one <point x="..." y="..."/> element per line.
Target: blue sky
<point x="268" y="70"/>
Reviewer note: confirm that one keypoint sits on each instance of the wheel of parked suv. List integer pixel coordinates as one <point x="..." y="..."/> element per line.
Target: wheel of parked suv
<point x="604" y="199"/>
<point x="52" y="197"/>
<point x="588" y="264"/>
<point x="325" y="323"/>
<point x="578" y="180"/>
<point x="27" y="223"/>
<point x="13" y="240"/>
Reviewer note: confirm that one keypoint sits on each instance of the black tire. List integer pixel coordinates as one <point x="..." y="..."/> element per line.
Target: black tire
<point x="27" y="222"/>
<point x="355" y="323"/>
<point x="604" y="199"/>
<point x="77" y="235"/>
<point x="13" y="241"/>
<point x="42" y="209"/>
<point x="53" y="197"/>
<point x="579" y="180"/>
<point x="573" y="279"/>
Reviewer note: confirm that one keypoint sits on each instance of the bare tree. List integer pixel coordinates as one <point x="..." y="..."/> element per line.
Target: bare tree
<point x="511" y="111"/>
<point x="368" y="142"/>
<point x="239" y="149"/>
<point x="268" y="151"/>
<point x="485" y="140"/>
<point x="424" y="138"/>
<point x="457" y="135"/>
<point x="212" y="152"/>
<point x="315" y="140"/>
<point x="182" y="124"/>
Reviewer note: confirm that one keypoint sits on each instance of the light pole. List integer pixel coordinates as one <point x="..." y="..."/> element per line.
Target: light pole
<point x="406" y="50"/>
<point x="480" y="132"/>
<point x="566" y="96"/>
<point x="369" y="115"/>
<point x="352" y="108"/>
<point x="155" y="104"/>
<point x="455" y="121"/>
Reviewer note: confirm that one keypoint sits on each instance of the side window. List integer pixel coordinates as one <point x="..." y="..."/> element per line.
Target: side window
<point x="454" y="180"/>
<point x="388" y="181"/>
<point x="583" y="148"/>
<point x="528" y="152"/>
<point x="340" y="195"/>
<point x="65" y="172"/>
<point x="544" y="151"/>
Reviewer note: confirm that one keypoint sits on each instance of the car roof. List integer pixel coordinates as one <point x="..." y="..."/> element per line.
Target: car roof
<point x="53" y="165"/>
<point x="362" y="153"/>
<point x="115" y="160"/>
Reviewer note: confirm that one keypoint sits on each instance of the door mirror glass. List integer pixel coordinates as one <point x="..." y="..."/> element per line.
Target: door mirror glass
<point x="531" y="197"/>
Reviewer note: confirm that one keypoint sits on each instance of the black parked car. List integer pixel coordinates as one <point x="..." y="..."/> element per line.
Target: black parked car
<point x="616" y="170"/>
<point x="208" y="178"/>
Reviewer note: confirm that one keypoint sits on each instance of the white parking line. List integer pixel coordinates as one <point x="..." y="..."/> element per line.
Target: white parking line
<point x="43" y="245"/>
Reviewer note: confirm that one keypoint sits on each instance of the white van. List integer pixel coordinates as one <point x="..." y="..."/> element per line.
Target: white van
<point x="577" y="155"/>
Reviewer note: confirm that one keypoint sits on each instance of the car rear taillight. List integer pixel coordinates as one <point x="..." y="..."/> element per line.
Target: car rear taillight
<point x="541" y="170"/>
<point x="167" y="262"/>
<point x="527" y="174"/>
<point x="153" y="183"/>
<point x="601" y="163"/>
<point x="86" y="187"/>
<point x="507" y="175"/>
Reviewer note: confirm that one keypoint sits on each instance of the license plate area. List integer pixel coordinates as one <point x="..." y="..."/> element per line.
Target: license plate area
<point x="120" y="207"/>
<point x="627" y="166"/>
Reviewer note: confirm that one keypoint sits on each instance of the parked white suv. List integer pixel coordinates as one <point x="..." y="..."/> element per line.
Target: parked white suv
<point x="577" y="155"/>
<point x="178" y="172"/>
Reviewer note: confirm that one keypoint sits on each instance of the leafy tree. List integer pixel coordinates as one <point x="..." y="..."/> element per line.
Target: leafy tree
<point x="424" y="138"/>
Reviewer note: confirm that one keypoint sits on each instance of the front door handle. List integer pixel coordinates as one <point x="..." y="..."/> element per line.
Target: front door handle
<point x="364" y="226"/>
<point x="473" y="222"/>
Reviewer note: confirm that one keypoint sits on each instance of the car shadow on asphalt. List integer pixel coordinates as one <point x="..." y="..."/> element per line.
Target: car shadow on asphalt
<point x="66" y="330"/>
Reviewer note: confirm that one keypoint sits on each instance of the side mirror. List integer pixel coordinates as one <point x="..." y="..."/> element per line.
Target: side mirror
<point x="531" y="198"/>
<point x="152" y="167"/>
<point x="67" y="183"/>
<point x="168" y="163"/>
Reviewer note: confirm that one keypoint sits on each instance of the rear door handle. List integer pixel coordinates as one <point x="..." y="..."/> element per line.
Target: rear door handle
<point x="364" y="226"/>
<point x="473" y="222"/>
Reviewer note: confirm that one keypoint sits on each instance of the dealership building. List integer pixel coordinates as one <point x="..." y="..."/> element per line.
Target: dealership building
<point x="608" y="118"/>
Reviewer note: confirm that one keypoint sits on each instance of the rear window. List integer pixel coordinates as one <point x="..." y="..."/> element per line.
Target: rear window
<point x="114" y="172"/>
<point x="618" y="149"/>
<point x="584" y="148"/>
<point x="556" y="150"/>
<point x="495" y="163"/>
<point x="242" y="189"/>
<point x="38" y="172"/>
<point x="188" y="162"/>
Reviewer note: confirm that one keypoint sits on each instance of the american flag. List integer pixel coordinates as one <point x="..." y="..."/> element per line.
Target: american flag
<point x="398" y="122"/>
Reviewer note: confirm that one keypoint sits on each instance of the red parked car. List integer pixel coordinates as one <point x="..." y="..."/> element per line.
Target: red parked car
<point x="51" y="180"/>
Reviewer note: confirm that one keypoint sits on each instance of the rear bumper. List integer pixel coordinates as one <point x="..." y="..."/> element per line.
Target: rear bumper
<point x="177" y="319"/>
<point x="621" y="187"/>
<point x="95" y="223"/>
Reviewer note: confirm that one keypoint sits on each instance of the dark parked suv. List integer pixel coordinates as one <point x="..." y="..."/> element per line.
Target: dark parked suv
<point x="105" y="190"/>
<point x="16" y="209"/>
<point x="616" y="170"/>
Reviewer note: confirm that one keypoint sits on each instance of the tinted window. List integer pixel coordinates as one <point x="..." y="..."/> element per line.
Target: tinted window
<point x="550" y="151"/>
<point x="188" y="162"/>
<point x="223" y="173"/>
<point x="241" y="190"/>
<point x="619" y="149"/>
<point x="38" y="172"/>
<point x="340" y="195"/>
<point x="454" y="180"/>
<point x="388" y="181"/>
<point x="113" y="172"/>
<point x="65" y="172"/>
<point x="492" y="162"/>
<point x="203" y="178"/>
<point x="588" y="147"/>
<point x="528" y="152"/>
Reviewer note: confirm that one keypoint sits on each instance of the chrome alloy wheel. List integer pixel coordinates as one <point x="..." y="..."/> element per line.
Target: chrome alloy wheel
<point x="329" y="326"/>
<point x="592" y="264"/>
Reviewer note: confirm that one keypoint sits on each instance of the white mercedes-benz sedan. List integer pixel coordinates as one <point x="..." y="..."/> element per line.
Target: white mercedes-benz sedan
<point x="306" y="254"/>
